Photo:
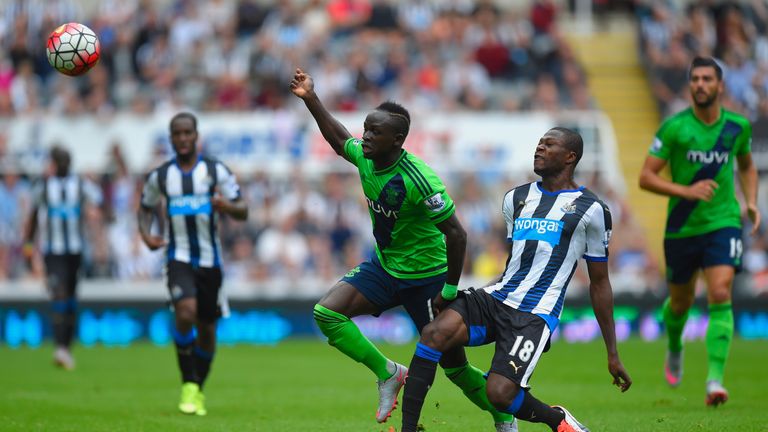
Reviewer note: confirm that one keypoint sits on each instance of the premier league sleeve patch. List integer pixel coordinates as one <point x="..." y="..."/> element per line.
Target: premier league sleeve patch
<point x="435" y="203"/>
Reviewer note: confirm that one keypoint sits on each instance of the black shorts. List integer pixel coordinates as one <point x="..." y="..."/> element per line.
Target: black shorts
<point x="520" y="337"/>
<point x="684" y="256"/>
<point x="201" y="283"/>
<point x="61" y="274"/>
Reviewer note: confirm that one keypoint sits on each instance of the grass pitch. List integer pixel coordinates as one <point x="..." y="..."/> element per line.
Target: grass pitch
<point x="307" y="386"/>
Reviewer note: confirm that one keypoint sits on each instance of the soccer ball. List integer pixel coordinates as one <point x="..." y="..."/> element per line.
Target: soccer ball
<point x="73" y="49"/>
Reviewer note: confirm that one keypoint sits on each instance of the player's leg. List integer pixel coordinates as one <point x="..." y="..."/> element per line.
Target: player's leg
<point x="683" y="257"/>
<point x="365" y="290"/>
<point x="471" y="380"/>
<point x="721" y="261"/>
<point x="445" y="333"/>
<point x="520" y="341"/>
<point x="181" y="285"/>
<point x="208" y="283"/>
<point x="63" y="305"/>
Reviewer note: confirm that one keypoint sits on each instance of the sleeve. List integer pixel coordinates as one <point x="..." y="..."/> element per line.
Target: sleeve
<point x="662" y="142"/>
<point x="352" y="151"/>
<point x="227" y="183"/>
<point x="91" y="193"/>
<point x="150" y="194"/>
<point x="598" y="233"/>
<point x="744" y="144"/>
<point x="508" y="210"/>
<point x="431" y="192"/>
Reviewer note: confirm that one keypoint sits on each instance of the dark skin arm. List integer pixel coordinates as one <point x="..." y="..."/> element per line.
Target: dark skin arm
<point x="456" y="246"/>
<point x="144" y="218"/>
<point x="334" y="132"/>
<point x="238" y="209"/>
<point x="30" y="229"/>
<point x="601" y="294"/>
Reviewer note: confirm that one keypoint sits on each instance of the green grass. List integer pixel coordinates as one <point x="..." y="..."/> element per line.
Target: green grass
<point x="308" y="386"/>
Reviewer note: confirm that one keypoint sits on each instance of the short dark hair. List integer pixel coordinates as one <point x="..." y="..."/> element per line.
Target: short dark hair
<point x="399" y="112"/>
<point x="572" y="141"/>
<point x="184" y="114"/>
<point x="60" y="156"/>
<point x="699" y="61"/>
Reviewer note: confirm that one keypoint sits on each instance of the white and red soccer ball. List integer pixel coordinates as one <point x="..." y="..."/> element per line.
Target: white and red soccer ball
<point x="73" y="49"/>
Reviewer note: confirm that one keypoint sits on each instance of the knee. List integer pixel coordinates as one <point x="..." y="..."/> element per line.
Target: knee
<point x="680" y="305"/>
<point x="186" y="313"/>
<point x="500" y="399"/>
<point x="437" y="337"/>
<point x="327" y="320"/>
<point x="719" y="295"/>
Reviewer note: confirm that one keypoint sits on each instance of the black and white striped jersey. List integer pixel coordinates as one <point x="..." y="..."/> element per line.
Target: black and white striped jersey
<point x="549" y="232"/>
<point x="192" y="222"/>
<point x="59" y="202"/>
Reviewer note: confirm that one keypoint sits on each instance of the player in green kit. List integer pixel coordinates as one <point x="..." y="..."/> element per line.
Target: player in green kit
<point x="704" y="217"/>
<point x="420" y="246"/>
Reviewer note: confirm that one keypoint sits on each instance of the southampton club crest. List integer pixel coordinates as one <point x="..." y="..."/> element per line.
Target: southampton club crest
<point x="391" y="196"/>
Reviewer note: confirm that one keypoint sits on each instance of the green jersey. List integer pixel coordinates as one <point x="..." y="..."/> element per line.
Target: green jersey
<point x="696" y="151"/>
<point x="405" y="201"/>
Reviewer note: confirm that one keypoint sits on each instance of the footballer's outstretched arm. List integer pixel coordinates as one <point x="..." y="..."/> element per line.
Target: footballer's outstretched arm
<point x="601" y="294"/>
<point x="334" y="132"/>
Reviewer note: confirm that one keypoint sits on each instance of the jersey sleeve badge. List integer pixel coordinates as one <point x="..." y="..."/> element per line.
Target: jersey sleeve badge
<point x="435" y="203"/>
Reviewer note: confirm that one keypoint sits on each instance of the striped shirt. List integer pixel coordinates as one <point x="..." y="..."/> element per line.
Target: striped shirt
<point x="549" y="232"/>
<point x="60" y="202"/>
<point x="192" y="228"/>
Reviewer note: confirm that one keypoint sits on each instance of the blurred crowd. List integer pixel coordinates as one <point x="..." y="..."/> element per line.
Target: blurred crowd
<point x="305" y="226"/>
<point x="736" y="33"/>
<point x="237" y="55"/>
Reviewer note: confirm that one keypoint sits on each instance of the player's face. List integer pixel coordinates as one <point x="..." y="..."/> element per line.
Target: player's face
<point x="705" y="86"/>
<point x="183" y="137"/>
<point x="551" y="154"/>
<point x="380" y="139"/>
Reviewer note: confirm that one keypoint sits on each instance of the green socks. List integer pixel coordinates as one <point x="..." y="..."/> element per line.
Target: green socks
<point x="343" y="334"/>
<point x="719" y="337"/>
<point x="675" y="325"/>
<point x="472" y="382"/>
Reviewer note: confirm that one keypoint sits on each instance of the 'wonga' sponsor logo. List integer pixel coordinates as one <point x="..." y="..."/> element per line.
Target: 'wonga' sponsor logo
<point x="548" y="230"/>
<point x="378" y="208"/>
<point x="698" y="156"/>
<point x="189" y="205"/>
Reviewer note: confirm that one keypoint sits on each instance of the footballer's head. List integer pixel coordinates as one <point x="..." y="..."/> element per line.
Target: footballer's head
<point x="61" y="160"/>
<point x="559" y="149"/>
<point x="184" y="134"/>
<point x="384" y="130"/>
<point x="705" y="79"/>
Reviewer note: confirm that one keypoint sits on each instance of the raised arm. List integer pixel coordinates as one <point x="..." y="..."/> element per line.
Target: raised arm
<point x="652" y="181"/>
<point x="333" y="131"/>
<point x="748" y="180"/>
<point x="601" y="295"/>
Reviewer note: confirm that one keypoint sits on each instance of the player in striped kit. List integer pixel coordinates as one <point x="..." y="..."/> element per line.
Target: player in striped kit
<point x="550" y="225"/>
<point x="194" y="189"/>
<point x="59" y="201"/>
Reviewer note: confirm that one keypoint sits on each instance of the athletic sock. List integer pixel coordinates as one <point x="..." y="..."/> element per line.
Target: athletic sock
<point x="184" y="346"/>
<point x="203" y="360"/>
<point x="421" y="375"/>
<point x="719" y="337"/>
<point x="343" y="334"/>
<point x="675" y="325"/>
<point x="528" y="408"/>
<point x="64" y="317"/>
<point x="472" y="382"/>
